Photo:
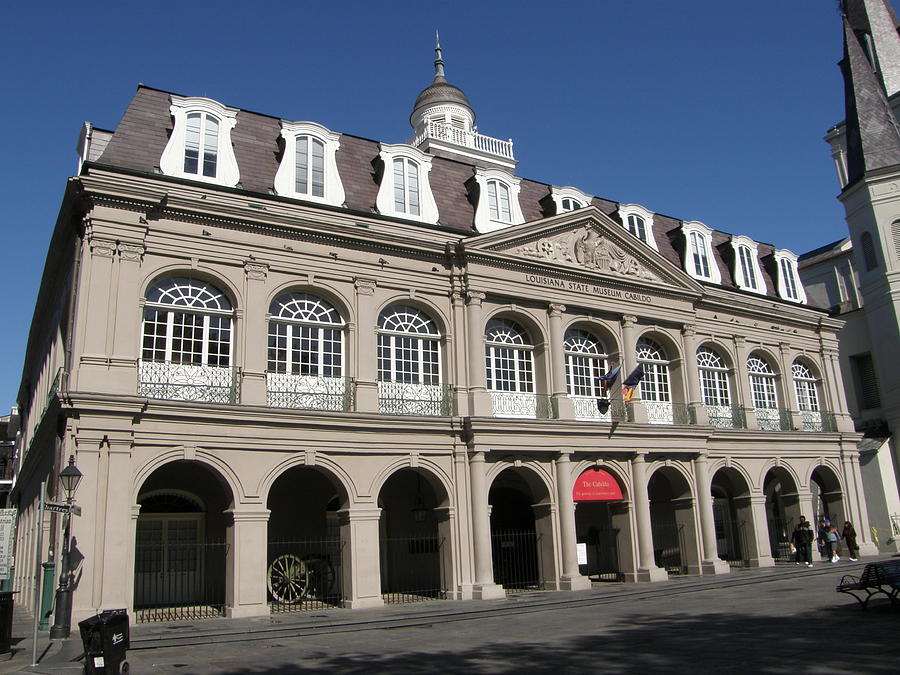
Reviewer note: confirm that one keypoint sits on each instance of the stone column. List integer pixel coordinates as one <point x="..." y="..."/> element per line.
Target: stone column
<point x="710" y="563"/>
<point x="787" y="398"/>
<point x="255" y="333"/>
<point x="742" y="380"/>
<point x="366" y="347"/>
<point x="484" y="587"/>
<point x="571" y="578"/>
<point x="557" y="357"/>
<point x="245" y="568"/>
<point x="629" y="339"/>
<point x="761" y="556"/>
<point x="361" y="557"/>
<point x="479" y="399"/>
<point x="835" y="384"/>
<point x="692" y="373"/>
<point x="117" y="579"/>
<point x="850" y="460"/>
<point x="647" y="569"/>
<point x="126" y="319"/>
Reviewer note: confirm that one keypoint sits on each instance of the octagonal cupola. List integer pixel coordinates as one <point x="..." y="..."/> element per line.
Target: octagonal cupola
<point x="442" y="118"/>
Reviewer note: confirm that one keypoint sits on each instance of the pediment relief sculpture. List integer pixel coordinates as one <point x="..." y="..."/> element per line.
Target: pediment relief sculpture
<point x="588" y="248"/>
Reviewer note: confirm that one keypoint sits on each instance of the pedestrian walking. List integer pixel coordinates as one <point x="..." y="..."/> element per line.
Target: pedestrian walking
<point x="830" y="538"/>
<point x="802" y="538"/>
<point x="849" y="536"/>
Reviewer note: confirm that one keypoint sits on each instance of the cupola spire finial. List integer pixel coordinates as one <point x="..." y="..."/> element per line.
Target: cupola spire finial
<point x="438" y="59"/>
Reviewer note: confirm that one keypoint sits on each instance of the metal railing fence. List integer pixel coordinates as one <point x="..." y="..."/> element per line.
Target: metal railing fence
<point x="304" y="575"/>
<point x="411" y="569"/>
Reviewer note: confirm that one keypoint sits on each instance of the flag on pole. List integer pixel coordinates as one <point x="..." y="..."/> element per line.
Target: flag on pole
<point x="629" y="385"/>
<point x="606" y="382"/>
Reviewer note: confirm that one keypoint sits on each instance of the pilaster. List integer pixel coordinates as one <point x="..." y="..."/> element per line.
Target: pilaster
<point x="558" y="391"/>
<point x="254" y="334"/>
<point x="366" y="354"/>
<point x="361" y="561"/>
<point x="245" y="568"/>
<point x="571" y="578"/>
<point x="647" y="569"/>
<point x="484" y="587"/>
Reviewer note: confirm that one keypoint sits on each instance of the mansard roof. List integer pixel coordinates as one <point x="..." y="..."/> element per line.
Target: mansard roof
<point x="143" y="132"/>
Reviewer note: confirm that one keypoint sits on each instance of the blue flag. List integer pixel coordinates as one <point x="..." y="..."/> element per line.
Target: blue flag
<point x="606" y="381"/>
<point x="634" y="379"/>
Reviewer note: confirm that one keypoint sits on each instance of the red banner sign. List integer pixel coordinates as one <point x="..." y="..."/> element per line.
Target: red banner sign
<point x="596" y="485"/>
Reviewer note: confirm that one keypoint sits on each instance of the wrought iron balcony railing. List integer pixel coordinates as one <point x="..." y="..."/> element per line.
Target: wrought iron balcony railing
<point x="818" y="421"/>
<point x="726" y="416"/>
<point x="517" y="404"/>
<point x="586" y="409"/>
<point x="404" y="398"/>
<point x="185" y="382"/>
<point x="309" y="392"/>
<point x="774" y="419"/>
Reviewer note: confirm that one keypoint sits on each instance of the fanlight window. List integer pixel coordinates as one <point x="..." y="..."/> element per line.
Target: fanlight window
<point x="569" y="204"/>
<point x="406" y="186"/>
<point x="309" y="176"/>
<point x="762" y="382"/>
<point x="498" y="201"/>
<point x="805" y="388"/>
<point x="408" y="347"/>
<point x="713" y="378"/>
<point x="655" y="385"/>
<point x="585" y="363"/>
<point x="637" y="227"/>
<point x="305" y="336"/>
<point x="187" y="321"/>
<point x="508" y="359"/>
<point x="201" y="144"/>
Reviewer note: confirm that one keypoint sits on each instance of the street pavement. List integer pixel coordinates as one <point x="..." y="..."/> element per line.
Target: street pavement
<point x="783" y="620"/>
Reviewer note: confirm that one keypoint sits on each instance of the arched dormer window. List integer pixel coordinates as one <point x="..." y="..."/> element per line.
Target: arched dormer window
<point x="639" y="221"/>
<point x="763" y="392"/>
<point x="698" y="260"/>
<point x="586" y="363"/>
<point x="409" y="364"/>
<point x="498" y="200"/>
<point x="308" y="168"/>
<point x="569" y="199"/>
<point x="405" y="191"/>
<point x="789" y="284"/>
<point x="655" y="388"/>
<point x="200" y="145"/>
<point x="747" y="273"/>
<point x="187" y="334"/>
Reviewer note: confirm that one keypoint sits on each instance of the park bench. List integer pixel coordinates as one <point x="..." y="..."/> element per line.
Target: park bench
<point x="879" y="577"/>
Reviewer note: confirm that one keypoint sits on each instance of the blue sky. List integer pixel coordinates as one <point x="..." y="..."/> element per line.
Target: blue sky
<point x="702" y="110"/>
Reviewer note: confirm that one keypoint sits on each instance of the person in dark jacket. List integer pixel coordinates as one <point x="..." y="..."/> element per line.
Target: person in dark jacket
<point x="849" y="536"/>
<point x="802" y="538"/>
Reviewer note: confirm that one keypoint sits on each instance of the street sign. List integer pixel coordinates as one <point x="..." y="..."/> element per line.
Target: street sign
<point x="62" y="508"/>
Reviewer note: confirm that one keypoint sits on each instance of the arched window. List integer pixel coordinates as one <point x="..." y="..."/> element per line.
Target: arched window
<point x="762" y="389"/>
<point x="569" y="204"/>
<point x="498" y="201"/>
<point x="306" y="336"/>
<point x="309" y="176"/>
<point x="585" y="363"/>
<point x="805" y="388"/>
<point x="509" y="368"/>
<point x="713" y="378"/>
<point x="408" y="347"/>
<point x="186" y="352"/>
<point x="201" y="144"/>
<point x="637" y="227"/>
<point x="655" y="385"/>
<point x="406" y="186"/>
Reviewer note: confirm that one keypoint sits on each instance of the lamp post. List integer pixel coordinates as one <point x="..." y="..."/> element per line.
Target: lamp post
<point x="70" y="477"/>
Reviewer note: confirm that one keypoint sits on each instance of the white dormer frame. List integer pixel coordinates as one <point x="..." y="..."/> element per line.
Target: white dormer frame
<point x="703" y="235"/>
<point x="483" y="220"/>
<point x="171" y="163"/>
<point x="285" y="178"/>
<point x="737" y="242"/>
<point x="788" y="259"/>
<point x="384" y="202"/>
<point x="568" y="192"/>
<point x="626" y="210"/>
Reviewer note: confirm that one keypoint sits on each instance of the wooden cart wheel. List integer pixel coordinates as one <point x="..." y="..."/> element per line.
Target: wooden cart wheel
<point x="288" y="579"/>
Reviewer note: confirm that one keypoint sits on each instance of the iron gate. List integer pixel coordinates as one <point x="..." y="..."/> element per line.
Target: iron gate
<point x="174" y="581"/>
<point x="304" y="575"/>
<point x="668" y="547"/>
<point x="603" y="554"/>
<point x="780" y="539"/>
<point x="731" y="535"/>
<point x="411" y="569"/>
<point x="516" y="560"/>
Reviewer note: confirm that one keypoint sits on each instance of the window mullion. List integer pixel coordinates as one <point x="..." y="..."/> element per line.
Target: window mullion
<point x="170" y="330"/>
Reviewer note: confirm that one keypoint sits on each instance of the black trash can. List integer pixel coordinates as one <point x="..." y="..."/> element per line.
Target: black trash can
<point x="6" y="620"/>
<point x="105" y="639"/>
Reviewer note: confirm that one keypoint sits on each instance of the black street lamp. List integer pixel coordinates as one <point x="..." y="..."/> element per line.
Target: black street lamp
<point x="70" y="477"/>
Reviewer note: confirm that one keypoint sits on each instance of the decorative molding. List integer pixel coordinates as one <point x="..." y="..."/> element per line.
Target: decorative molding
<point x="132" y="252"/>
<point x="556" y="309"/>
<point x="257" y="271"/>
<point x="364" y="286"/>
<point x="475" y="297"/>
<point x="102" y="248"/>
<point x="628" y="320"/>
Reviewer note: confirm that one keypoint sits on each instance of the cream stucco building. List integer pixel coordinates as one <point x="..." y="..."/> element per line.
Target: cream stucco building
<point x="300" y="367"/>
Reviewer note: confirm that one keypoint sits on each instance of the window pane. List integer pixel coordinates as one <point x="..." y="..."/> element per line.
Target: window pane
<point x="399" y="187"/>
<point x="192" y="143"/>
<point x="413" y="177"/>
<point x="318" y="168"/>
<point x="210" y="146"/>
<point x="492" y="200"/>
<point x="302" y="177"/>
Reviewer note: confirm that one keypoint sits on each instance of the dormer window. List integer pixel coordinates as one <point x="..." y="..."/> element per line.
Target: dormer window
<point x="747" y="274"/>
<point x="698" y="259"/>
<point x="404" y="189"/>
<point x="569" y="199"/>
<point x="639" y="221"/>
<point x="308" y="169"/>
<point x="789" y="286"/>
<point x="200" y="145"/>
<point x="498" y="201"/>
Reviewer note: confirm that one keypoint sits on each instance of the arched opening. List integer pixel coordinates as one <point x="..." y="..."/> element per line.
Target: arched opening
<point x="414" y="538"/>
<point x="733" y="518"/>
<point x="521" y="532"/>
<point x="672" y="520"/>
<point x="180" y="548"/>
<point x="305" y="547"/>
<point x="782" y="511"/>
<point x="828" y="499"/>
<point x="602" y="526"/>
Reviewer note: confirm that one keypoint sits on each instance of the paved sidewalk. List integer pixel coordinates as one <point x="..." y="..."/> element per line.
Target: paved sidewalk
<point x="786" y="619"/>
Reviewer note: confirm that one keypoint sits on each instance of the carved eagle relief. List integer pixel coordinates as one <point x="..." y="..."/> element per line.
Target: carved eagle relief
<point x="587" y="248"/>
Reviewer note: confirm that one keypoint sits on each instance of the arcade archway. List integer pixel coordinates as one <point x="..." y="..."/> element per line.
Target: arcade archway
<point x="782" y="511"/>
<point x="672" y="520"/>
<point x="602" y="526"/>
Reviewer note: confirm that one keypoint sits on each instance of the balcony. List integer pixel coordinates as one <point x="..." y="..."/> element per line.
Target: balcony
<point x="586" y="409"/>
<point x="467" y="139"/>
<point x="817" y="421"/>
<point x="774" y="419"/>
<point x="726" y="416"/>
<point x="186" y="382"/>
<point x="517" y="404"/>
<point x="404" y="398"/>
<point x="309" y="392"/>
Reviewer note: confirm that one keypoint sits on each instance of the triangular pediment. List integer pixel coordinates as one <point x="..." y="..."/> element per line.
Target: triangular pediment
<point x="588" y="241"/>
